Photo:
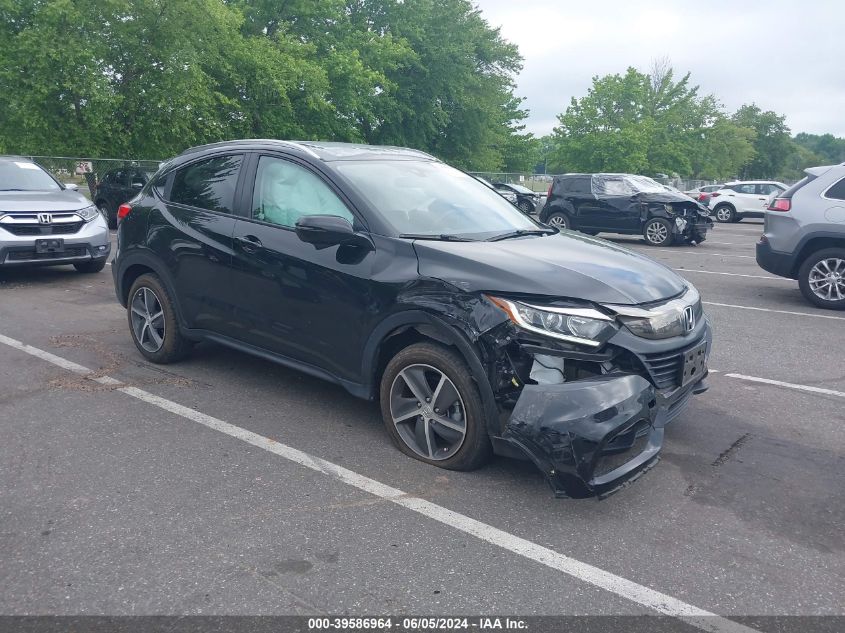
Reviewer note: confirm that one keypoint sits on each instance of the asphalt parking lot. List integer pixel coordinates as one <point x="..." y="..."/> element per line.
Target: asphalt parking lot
<point x="198" y="488"/>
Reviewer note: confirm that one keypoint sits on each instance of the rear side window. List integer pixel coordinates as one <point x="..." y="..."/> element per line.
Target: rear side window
<point x="743" y="188"/>
<point x="837" y="191"/>
<point x="209" y="184"/>
<point x="575" y="185"/>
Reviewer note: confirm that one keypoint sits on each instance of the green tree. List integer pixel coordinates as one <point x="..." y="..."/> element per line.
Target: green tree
<point x="649" y="123"/>
<point x="772" y="143"/>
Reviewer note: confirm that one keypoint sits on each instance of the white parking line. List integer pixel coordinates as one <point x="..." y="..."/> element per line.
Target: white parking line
<point x="788" y="385"/>
<point x="640" y="594"/>
<point x="713" y="272"/>
<point x="806" y="314"/>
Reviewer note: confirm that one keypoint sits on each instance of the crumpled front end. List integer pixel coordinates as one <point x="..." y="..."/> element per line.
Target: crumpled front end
<point x="690" y="220"/>
<point x="590" y="435"/>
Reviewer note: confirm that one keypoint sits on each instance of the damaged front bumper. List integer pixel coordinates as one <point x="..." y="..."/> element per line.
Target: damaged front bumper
<point x="692" y="229"/>
<point x="592" y="435"/>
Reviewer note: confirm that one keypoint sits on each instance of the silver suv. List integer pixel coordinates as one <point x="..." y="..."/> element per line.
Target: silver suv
<point x="804" y="236"/>
<point x="46" y="223"/>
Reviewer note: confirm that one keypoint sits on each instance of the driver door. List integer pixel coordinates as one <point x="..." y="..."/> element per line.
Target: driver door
<point x="297" y="300"/>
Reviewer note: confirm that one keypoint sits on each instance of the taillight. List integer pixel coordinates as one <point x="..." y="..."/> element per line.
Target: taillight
<point x="780" y="204"/>
<point x="123" y="210"/>
<point x="549" y="193"/>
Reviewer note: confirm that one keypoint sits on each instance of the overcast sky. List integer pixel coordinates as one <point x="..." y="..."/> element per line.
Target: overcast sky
<point x="786" y="56"/>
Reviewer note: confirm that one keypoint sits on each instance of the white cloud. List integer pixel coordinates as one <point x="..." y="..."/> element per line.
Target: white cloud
<point x="783" y="55"/>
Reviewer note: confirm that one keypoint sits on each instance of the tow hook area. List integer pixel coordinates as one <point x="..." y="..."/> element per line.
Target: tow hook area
<point x="588" y="436"/>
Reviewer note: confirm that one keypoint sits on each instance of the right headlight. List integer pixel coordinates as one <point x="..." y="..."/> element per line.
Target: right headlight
<point x="674" y="318"/>
<point x="586" y="326"/>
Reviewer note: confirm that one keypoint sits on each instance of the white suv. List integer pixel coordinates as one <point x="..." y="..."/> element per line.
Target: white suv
<point x="743" y="199"/>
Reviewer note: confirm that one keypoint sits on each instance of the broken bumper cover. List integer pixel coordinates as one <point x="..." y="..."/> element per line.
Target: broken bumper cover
<point x="590" y="436"/>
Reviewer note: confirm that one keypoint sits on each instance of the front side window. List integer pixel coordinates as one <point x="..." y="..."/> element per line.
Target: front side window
<point x="285" y="192"/>
<point x="21" y="175"/>
<point x="209" y="184"/>
<point x="428" y="198"/>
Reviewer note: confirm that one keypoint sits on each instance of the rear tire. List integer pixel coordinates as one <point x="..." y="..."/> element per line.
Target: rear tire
<point x="558" y="220"/>
<point x="152" y="321"/>
<point x="658" y="232"/>
<point x="724" y="213"/>
<point x="91" y="267"/>
<point x="823" y="273"/>
<point x="449" y="429"/>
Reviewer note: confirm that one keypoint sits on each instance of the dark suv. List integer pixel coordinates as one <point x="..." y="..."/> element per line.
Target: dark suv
<point x="625" y="203"/>
<point x="404" y="280"/>
<point x="116" y="187"/>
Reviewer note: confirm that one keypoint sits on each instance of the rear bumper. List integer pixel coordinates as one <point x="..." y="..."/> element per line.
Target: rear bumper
<point x="775" y="262"/>
<point x="591" y="436"/>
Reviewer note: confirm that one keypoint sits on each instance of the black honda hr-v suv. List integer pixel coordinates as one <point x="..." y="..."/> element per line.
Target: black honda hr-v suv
<point x="402" y="279"/>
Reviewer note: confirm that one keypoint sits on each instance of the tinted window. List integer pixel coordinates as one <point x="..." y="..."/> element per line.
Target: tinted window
<point x="285" y="192"/>
<point x="208" y="184"/>
<point x="837" y="191"/>
<point x="575" y="185"/>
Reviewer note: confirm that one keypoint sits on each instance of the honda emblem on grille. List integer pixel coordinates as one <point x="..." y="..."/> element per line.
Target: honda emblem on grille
<point x="45" y="218"/>
<point x="689" y="318"/>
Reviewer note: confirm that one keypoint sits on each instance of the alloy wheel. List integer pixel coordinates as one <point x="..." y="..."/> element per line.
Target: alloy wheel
<point x="656" y="233"/>
<point x="428" y="412"/>
<point x="148" y="319"/>
<point x="558" y="222"/>
<point x="723" y="214"/>
<point x="827" y="279"/>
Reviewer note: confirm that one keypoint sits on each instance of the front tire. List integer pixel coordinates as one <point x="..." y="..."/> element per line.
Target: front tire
<point x="658" y="232"/>
<point x="822" y="278"/>
<point x="526" y="207"/>
<point x="111" y="218"/>
<point x="94" y="266"/>
<point x="152" y="321"/>
<point x="725" y="213"/>
<point x="558" y="221"/>
<point x="432" y="408"/>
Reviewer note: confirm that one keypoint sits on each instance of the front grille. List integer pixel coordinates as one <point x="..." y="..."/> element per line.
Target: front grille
<point x="665" y="368"/>
<point x="40" y="229"/>
<point x="73" y="251"/>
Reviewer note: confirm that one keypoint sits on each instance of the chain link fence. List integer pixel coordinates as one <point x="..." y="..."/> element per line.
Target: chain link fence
<point x="87" y="173"/>
<point x="540" y="182"/>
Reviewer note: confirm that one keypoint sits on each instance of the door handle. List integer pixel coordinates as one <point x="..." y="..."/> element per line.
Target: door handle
<point x="248" y="243"/>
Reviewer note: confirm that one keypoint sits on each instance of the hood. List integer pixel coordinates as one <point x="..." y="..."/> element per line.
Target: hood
<point x="562" y="265"/>
<point x="35" y="201"/>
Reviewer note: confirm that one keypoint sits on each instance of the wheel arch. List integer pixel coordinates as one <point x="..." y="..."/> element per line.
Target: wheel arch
<point x="400" y="330"/>
<point x="133" y="266"/>
<point x="813" y="244"/>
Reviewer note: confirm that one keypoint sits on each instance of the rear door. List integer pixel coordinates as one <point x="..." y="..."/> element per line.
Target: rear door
<point x="194" y="236"/>
<point x="303" y="302"/>
<point x="578" y="192"/>
<point x="745" y="197"/>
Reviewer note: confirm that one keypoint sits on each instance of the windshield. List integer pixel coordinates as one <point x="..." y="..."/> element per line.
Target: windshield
<point x="427" y="198"/>
<point x="24" y="176"/>
<point x="624" y="185"/>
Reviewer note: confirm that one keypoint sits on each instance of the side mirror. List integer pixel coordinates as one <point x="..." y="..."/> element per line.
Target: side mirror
<point x="328" y="230"/>
<point x="71" y="186"/>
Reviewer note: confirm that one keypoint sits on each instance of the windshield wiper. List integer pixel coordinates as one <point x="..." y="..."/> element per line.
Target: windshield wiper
<point x="520" y="233"/>
<point x="443" y="237"/>
<point x="12" y="189"/>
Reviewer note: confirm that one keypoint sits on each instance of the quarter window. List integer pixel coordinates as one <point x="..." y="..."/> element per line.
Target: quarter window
<point x="285" y="192"/>
<point x="208" y="184"/>
<point x="837" y="191"/>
